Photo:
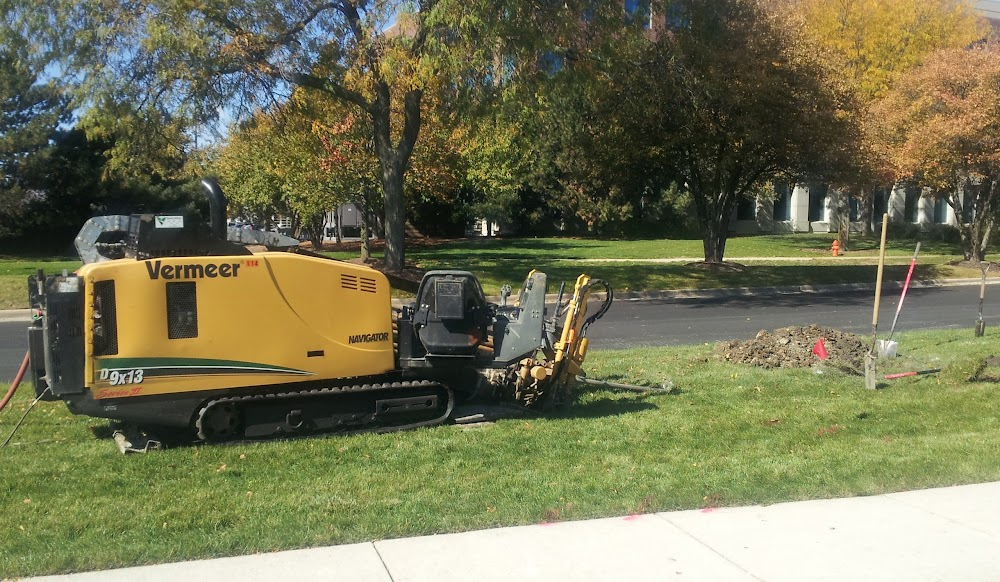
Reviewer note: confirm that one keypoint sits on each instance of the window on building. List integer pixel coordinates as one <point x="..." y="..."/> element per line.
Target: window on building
<point x="853" y="205"/>
<point x="746" y="210"/>
<point x="880" y="205"/>
<point x="911" y="206"/>
<point x="940" y="211"/>
<point x="783" y="202"/>
<point x="968" y="203"/>
<point x="817" y="202"/>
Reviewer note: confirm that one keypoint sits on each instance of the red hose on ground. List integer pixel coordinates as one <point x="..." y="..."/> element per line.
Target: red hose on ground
<point x="16" y="382"/>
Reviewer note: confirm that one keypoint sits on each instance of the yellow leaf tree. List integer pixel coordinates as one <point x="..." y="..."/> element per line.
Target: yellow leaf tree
<point x="871" y="43"/>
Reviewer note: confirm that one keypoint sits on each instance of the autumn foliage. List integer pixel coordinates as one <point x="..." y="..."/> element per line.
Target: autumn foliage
<point x="942" y="124"/>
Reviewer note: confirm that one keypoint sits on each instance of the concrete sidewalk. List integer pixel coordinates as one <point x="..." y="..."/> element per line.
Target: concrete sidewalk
<point x="951" y="533"/>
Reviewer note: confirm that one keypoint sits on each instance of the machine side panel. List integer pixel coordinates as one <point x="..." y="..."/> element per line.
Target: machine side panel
<point x="64" y="335"/>
<point x="188" y="324"/>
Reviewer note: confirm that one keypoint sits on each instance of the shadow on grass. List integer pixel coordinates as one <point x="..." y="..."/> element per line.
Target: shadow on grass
<point x="604" y="408"/>
<point x="503" y="249"/>
<point x="653" y="277"/>
<point x="794" y="300"/>
<point x="169" y="437"/>
<point x="173" y="438"/>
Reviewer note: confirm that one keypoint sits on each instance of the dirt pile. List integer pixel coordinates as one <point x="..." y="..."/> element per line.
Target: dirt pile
<point x="791" y="347"/>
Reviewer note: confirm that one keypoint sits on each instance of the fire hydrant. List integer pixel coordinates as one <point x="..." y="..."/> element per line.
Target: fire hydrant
<point x="835" y="248"/>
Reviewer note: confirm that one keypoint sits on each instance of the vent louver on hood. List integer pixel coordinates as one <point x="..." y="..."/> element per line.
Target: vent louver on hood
<point x="355" y="283"/>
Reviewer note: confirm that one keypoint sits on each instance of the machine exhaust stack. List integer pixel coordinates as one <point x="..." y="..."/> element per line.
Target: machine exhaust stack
<point x="217" y="204"/>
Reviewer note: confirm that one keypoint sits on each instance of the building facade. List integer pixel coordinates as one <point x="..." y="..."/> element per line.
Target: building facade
<point x="818" y="208"/>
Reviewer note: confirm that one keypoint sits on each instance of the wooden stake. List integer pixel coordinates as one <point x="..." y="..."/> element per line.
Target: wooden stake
<point x="870" y="357"/>
<point x="878" y="277"/>
<point x="980" y="323"/>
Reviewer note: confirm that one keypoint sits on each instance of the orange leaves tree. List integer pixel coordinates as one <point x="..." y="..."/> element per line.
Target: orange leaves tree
<point x="871" y="43"/>
<point x="942" y="125"/>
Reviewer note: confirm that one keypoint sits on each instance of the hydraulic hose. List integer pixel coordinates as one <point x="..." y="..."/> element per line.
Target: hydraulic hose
<point x="16" y="382"/>
<point x="608" y="298"/>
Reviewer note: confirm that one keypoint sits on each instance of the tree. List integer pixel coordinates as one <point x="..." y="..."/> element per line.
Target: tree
<point x="349" y="159"/>
<point x="871" y="43"/>
<point x="942" y="122"/>
<point x="68" y="181"/>
<point x="728" y="100"/>
<point x="272" y="166"/>
<point x="560" y="134"/>
<point x="585" y="163"/>
<point x="30" y="113"/>
<point x="285" y="162"/>
<point x="189" y="60"/>
<point x="495" y="158"/>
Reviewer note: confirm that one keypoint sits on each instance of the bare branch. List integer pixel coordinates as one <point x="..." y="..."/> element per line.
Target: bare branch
<point x="299" y="26"/>
<point x="320" y="84"/>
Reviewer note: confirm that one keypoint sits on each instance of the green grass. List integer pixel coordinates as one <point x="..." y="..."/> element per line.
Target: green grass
<point x="731" y="435"/>
<point x="783" y="245"/>
<point x="500" y="261"/>
<point x="14" y="276"/>
<point x="632" y="277"/>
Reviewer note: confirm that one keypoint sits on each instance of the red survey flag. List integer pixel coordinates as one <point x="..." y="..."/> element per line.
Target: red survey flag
<point x="820" y="349"/>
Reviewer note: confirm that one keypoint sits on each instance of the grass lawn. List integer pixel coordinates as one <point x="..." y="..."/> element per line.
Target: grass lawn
<point x="729" y="435"/>
<point x="14" y="273"/>
<point x="643" y="277"/>
<point x="500" y="261"/>
<point x="773" y="245"/>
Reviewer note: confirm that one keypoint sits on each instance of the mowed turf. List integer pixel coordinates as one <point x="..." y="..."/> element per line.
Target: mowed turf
<point x="728" y="435"/>
<point x="625" y="264"/>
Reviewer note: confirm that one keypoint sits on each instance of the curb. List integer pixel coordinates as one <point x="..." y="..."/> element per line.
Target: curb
<point x="11" y="315"/>
<point x="790" y="289"/>
<point x="15" y="315"/>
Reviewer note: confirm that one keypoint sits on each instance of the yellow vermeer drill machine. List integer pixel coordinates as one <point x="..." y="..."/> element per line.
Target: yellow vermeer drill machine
<point x="172" y="323"/>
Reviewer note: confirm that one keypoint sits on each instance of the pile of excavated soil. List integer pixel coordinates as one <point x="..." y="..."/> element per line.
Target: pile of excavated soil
<point x="792" y="347"/>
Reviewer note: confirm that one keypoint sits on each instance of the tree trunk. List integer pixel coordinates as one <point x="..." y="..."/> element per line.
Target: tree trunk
<point x="714" y="240"/>
<point x="393" y="160"/>
<point x="395" y="219"/>
<point x="714" y="212"/>
<point x="984" y="243"/>
<point x="338" y="222"/>
<point x="366" y="248"/>
<point x="316" y="232"/>
<point x="844" y="220"/>
<point x="866" y="211"/>
<point x="975" y="234"/>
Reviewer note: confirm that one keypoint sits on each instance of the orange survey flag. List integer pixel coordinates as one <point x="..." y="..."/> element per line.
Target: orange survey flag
<point x="820" y="349"/>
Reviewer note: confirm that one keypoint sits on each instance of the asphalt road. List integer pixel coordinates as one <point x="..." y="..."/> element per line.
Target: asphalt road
<point x="692" y="321"/>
